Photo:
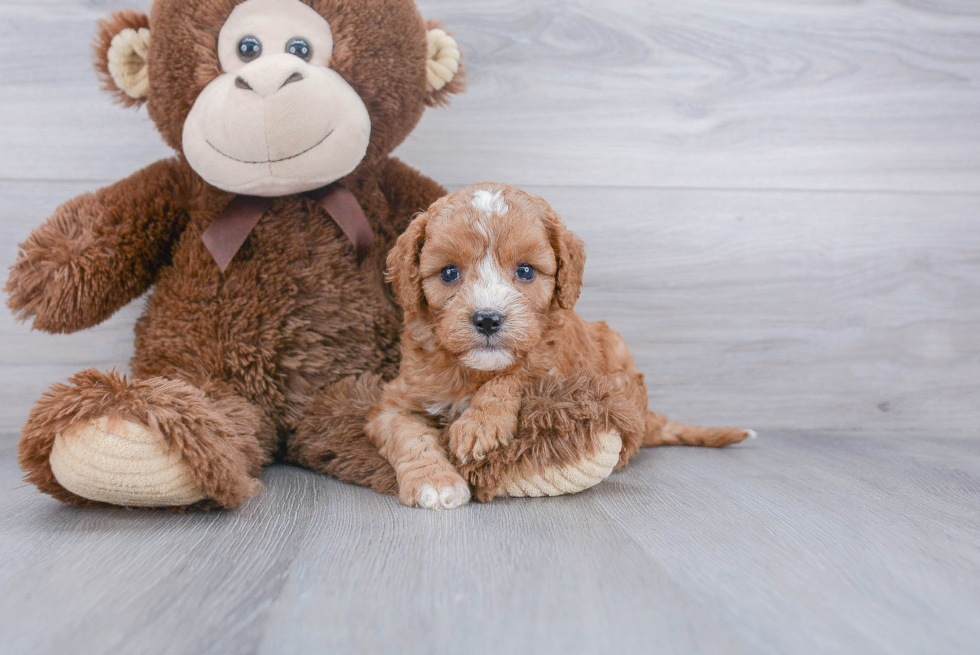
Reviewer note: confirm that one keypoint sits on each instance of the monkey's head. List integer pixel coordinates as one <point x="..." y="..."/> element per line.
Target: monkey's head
<point x="275" y="97"/>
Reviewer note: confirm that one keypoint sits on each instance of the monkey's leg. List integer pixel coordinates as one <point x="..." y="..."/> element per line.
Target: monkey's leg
<point x="331" y="439"/>
<point x="155" y="442"/>
<point x="572" y="433"/>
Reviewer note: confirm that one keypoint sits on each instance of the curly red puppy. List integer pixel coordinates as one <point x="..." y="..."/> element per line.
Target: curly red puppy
<point x="488" y="277"/>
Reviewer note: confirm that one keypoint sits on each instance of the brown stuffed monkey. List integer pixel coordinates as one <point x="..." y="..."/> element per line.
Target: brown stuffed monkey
<point x="270" y="326"/>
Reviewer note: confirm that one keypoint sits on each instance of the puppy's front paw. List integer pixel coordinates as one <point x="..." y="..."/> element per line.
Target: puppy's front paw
<point x="440" y="491"/>
<point x="471" y="438"/>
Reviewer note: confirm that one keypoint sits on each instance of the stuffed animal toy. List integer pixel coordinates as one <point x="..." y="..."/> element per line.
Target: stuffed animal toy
<point x="264" y="240"/>
<point x="502" y="387"/>
<point x="270" y="328"/>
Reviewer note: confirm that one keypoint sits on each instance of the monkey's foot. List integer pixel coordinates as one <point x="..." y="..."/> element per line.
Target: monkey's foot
<point x="154" y="442"/>
<point x="112" y="460"/>
<point x="572" y="478"/>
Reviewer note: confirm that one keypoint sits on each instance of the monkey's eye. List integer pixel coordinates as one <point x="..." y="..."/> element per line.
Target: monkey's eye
<point x="525" y="272"/>
<point x="449" y="274"/>
<point x="249" y="48"/>
<point x="300" y="48"/>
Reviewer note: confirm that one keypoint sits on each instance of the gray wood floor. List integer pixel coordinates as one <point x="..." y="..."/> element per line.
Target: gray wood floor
<point x="790" y="544"/>
<point x="780" y="202"/>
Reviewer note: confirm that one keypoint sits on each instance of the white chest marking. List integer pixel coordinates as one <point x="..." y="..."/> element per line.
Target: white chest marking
<point x="448" y="408"/>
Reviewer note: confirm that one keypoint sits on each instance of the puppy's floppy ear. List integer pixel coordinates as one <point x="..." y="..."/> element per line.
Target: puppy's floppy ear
<point x="120" y="51"/>
<point x="443" y="67"/>
<point x="403" y="266"/>
<point x="570" y="255"/>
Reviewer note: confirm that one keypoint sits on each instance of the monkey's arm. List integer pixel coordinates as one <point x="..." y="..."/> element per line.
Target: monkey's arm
<point x="489" y="422"/>
<point x="408" y="192"/>
<point x="99" y="251"/>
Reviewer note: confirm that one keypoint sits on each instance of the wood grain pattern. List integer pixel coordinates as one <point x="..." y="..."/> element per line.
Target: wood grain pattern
<point x="780" y="202"/>
<point x="863" y="319"/>
<point x="709" y="93"/>
<point x="705" y="93"/>
<point x="786" y="545"/>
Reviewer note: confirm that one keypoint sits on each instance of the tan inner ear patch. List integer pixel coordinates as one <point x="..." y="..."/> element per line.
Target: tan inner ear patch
<point x="443" y="63"/>
<point x="127" y="61"/>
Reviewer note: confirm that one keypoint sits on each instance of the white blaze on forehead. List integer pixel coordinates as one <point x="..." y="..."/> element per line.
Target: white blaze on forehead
<point x="492" y="290"/>
<point x="489" y="203"/>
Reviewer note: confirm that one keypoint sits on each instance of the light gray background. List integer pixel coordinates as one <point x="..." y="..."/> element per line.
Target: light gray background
<point x="780" y="201"/>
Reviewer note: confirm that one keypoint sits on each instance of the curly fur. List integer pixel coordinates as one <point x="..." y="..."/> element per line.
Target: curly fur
<point x="534" y="393"/>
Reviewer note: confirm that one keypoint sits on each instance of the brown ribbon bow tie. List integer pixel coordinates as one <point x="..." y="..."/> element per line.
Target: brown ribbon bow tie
<point x="228" y="232"/>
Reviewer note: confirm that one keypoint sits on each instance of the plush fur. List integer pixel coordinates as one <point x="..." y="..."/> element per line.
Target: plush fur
<point x="215" y="431"/>
<point x="454" y="86"/>
<point x="531" y="391"/>
<point x="559" y="422"/>
<point x="230" y="365"/>
<point x="331" y="439"/>
<point x="107" y="29"/>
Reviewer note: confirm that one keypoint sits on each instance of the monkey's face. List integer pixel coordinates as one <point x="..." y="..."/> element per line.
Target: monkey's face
<point x="276" y="97"/>
<point x="277" y="120"/>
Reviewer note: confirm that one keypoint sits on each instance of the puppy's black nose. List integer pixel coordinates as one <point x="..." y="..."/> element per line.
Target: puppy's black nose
<point x="487" y="322"/>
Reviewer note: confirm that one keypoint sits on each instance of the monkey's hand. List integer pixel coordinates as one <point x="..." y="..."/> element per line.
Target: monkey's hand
<point x="56" y="279"/>
<point x="98" y="252"/>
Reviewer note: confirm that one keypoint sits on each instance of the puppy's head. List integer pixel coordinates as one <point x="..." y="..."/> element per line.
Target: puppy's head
<point x="483" y="268"/>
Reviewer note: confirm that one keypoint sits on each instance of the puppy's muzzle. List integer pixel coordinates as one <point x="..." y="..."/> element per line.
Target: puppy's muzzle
<point x="487" y="322"/>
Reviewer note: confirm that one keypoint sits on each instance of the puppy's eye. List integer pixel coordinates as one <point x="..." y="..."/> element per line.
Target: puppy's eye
<point x="299" y="47"/>
<point x="249" y="48"/>
<point x="525" y="272"/>
<point x="449" y="274"/>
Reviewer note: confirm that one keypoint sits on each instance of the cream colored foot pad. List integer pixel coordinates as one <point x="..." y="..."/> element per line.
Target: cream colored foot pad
<point x="570" y="479"/>
<point x="123" y="463"/>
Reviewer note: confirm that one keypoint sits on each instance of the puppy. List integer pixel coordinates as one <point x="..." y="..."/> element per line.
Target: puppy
<point x="488" y="277"/>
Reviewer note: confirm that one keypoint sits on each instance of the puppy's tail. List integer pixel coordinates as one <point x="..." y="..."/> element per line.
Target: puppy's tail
<point x="661" y="432"/>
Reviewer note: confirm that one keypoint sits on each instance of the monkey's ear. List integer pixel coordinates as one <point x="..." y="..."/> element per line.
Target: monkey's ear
<point x="120" y="51"/>
<point x="403" y="266"/>
<point x="444" y="69"/>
